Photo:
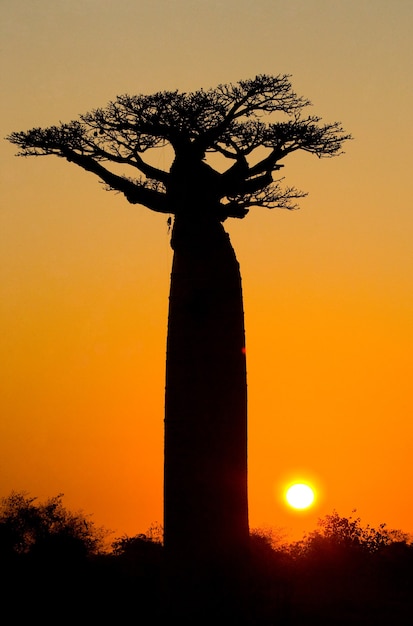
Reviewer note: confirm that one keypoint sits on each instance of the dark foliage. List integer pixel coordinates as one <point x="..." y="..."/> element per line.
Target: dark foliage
<point x="46" y="553"/>
<point x="345" y="573"/>
<point x="29" y="527"/>
<point x="55" y="566"/>
<point x="232" y="121"/>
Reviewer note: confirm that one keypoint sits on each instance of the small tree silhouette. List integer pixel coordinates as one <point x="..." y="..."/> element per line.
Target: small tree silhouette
<point x="205" y="493"/>
<point x="347" y="534"/>
<point x="46" y="530"/>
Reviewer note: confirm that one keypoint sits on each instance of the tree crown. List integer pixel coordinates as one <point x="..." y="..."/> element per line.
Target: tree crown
<point x="27" y="526"/>
<point x="227" y="120"/>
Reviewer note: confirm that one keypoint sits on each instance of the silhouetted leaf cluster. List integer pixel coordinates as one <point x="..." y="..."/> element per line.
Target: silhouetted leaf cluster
<point x="28" y="527"/>
<point x="340" y="574"/>
<point x="232" y="120"/>
<point x="336" y="533"/>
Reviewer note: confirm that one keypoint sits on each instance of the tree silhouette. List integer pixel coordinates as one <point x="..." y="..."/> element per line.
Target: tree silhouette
<point x="46" y="530"/>
<point x="205" y="482"/>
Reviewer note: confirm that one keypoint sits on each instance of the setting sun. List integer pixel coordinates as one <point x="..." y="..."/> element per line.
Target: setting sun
<point x="300" y="496"/>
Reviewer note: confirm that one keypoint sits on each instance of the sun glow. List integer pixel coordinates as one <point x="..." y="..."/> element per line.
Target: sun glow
<point x="300" y="496"/>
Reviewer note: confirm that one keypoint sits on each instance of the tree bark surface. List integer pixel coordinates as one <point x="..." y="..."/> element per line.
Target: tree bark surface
<point x="205" y="481"/>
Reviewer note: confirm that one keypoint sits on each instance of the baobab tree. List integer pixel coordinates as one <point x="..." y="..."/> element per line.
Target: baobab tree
<point x="252" y="126"/>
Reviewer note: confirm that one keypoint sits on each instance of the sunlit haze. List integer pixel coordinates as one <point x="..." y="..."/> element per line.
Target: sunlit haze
<point x="327" y="289"/>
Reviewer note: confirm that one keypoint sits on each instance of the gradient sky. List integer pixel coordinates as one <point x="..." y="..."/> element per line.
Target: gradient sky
<point x="327" y="290"/>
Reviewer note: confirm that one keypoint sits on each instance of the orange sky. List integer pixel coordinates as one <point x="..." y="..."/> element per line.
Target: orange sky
<point x="327" y="289"/>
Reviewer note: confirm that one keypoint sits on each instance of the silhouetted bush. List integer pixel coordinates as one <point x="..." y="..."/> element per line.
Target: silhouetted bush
<point x="57" y="564"/>
<point x="341" y="574"/>
<point x="46" y="529"/>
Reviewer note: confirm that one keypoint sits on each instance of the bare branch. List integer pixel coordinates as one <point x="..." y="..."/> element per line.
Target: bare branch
<point x="228" y="120"/>
<point x="271" y="197"/>
<point x="135" y="191"/>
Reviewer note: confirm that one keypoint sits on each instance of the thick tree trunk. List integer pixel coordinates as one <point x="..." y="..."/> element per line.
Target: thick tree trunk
<point x="205" y="482"/>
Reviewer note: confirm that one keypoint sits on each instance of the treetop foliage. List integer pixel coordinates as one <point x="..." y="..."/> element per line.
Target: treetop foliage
<point x="347" y="534"/>
<point x="232" y="120"/>
<point x="28" y="526"/>
<point x="342" y="573"/>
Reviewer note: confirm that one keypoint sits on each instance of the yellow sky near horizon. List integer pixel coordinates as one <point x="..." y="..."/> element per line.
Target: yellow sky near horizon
<point x="327" y="290"/>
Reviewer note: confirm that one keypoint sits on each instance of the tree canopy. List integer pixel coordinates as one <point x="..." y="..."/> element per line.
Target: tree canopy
<point x="28" y="527"/>
<point x="231" y="120"/>
<point x="347" y="534"/>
